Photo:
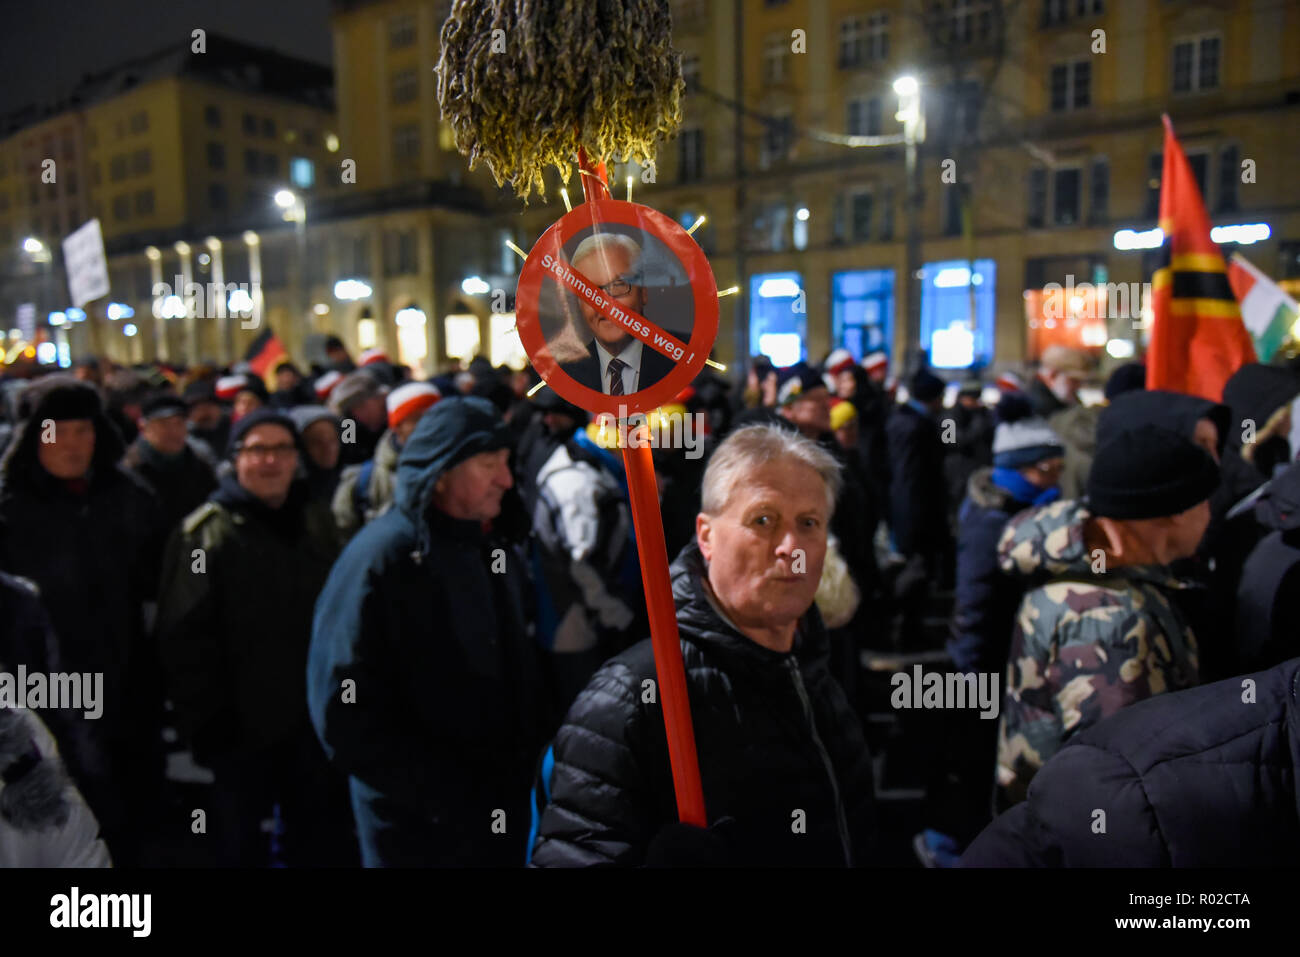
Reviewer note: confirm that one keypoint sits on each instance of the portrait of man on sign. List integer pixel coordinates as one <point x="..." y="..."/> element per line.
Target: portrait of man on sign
<point x="611" y="349"/>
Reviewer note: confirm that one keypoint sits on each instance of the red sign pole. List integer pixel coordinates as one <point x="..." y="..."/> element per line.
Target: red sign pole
<point x="653" y="553"/>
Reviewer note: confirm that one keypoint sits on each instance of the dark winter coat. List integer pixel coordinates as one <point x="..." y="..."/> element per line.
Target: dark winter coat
<point x="94" y="556"/>
<point x="424" y="679"/>
<point x="773" y="731"/>
<point x="182" y="483"/>
<point x="984" y="612"/>
<point x="1201" y="778"/>
<point x="1268" y="598"/>
<point x="918" y="492"/>
<point x="973" y="449"/>
<point x="234" y="621"/>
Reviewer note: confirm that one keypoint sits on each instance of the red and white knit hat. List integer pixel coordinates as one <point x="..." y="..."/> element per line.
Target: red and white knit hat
<point x="371" y="356"/>
<point x="409" y="399"/>
<point x="877" y="360"/>
<point x="326" y="383"/>
<point x="1009" y="382"/>
<point x="229" y="386"/>
<point x="841" y="360"/>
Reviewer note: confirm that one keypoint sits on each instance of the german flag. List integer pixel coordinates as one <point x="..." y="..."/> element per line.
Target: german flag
<point x="1198" y="339"/>
<point x="264" y="354"/>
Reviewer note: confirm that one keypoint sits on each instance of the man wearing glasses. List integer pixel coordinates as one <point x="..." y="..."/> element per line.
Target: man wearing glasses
<point x="239" y="580"/>
<point x="617" y="363"/>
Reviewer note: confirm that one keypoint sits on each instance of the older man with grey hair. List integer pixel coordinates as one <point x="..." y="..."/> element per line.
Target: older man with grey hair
<point x="785" y="767"/>
<point x="617" y="363"/>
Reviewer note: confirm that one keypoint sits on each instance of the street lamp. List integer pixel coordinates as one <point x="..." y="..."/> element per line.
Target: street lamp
<point x="909" y="114"/>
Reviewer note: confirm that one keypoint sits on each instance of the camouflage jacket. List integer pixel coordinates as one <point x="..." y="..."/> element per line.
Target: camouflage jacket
<point x="1087" y="641"/>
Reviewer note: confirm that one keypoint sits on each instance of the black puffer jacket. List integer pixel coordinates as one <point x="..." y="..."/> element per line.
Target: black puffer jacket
<point x="774" y="733"/>
<point x="1201" y="778"/>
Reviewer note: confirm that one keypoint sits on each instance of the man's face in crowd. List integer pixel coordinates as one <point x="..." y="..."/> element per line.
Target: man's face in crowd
<point x="266" y="462"/>
<point x="1065" y="385"/>
<point x="846" y="386"/>
<point x="1186" y="530"/>
<point x="605" y="267"/>
<point x="371" y="412"/>
<point x="73" y="448"/>
<point x="321" y="442"/>
<point x="245" y="402"/>
<point x="811" y="412"/>
<point x="404" y="428"/>
<point x="847" y="435"/>
<point x="473" y="489"/>
<point x="165" y="433"/>
<point x="755" y="568"/>
<point x="286" y="379"/>
<point x="205" y="415"/>
<point x="87" y="374"/>
<point x="1046" y="474"/>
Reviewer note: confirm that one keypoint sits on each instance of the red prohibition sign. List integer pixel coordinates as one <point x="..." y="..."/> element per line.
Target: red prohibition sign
<point x="547" y="260"/>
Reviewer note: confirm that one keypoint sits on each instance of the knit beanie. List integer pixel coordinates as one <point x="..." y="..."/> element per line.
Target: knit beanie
<point x="1149" y="472"/>
<point x="925" y="386"/>
<point x="1021" y="438"/>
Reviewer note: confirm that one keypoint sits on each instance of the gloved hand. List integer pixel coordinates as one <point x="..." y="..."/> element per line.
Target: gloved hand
<point x="685" y="845"/>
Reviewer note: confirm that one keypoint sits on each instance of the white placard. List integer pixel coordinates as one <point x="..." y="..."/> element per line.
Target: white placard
<point x="83" y="255"/>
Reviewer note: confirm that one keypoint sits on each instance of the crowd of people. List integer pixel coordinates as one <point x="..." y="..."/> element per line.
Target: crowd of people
<point x="402" y="622"/>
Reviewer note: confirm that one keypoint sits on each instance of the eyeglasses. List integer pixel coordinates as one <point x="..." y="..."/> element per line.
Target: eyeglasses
<point x="619" y="287"/>
<point x="281" y="451"/>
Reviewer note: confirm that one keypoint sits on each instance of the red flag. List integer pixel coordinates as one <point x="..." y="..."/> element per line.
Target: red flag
<point x="1197" y="337"/>
<point x="264" y="354"/>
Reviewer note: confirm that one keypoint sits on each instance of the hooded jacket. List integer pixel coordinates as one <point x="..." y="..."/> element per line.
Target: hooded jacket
<point x="1201" y="778"/>
<point x="1088" y="640"/>
<point x="424" y="679"/>
<point x="773" y="731"/>
<point x="352" y="506"/>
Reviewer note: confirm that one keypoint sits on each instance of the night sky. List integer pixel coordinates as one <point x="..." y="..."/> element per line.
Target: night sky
<point x="45" y="46"/>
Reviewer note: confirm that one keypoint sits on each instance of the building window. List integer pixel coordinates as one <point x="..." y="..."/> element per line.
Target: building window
<point x="1065" y="197"/>
<point x="1229" y="177"/>
<point x="878" y="36"/>
<point x="250" y="124"/>
<point x="141" y="162"/>
<point x="268" y="127"/>
<point x="776" y="329"/>
<point x="405" y="87"/>
<point x="968" y="21"/>
<point x="864" y="117"/>
<point x="860" y="217"/>
<point x="401" y="32"/>
<point x="406" y="144"/>
<point x="144" y="202"/>
<point x="777" y="140"/>
<point x="302" y="172"/>
<point x="1062" y="11"/>
<point x="216" y="156"/>
<point x="139" y="122"/>
<point x="961" y="103"/>
<point x="1071" y="85"/>
<point x="1196" y="64"/>
<point x="400" y="253"/>
<point x="691" y="71"/>
<point x="270" y="164"/>
<point x="212" y="116"/>
<point x="1037" y="209"/>
<point x="117" y="168"/>
<point x="122" y="207"/>
<point x="1100" y="189"/>
<point x="862" y="311"/>
<point x="887" y="215"/>
<point x="218" y="198"/>
<point x="947" y="332"/>
<point x="1199" y="161"/>
<point x="690" y="155"/>
<point x="774" y="52"/>
<point x="252" y="162"/>
<point x="853" y="41"/>
<point x="768" y="230"/>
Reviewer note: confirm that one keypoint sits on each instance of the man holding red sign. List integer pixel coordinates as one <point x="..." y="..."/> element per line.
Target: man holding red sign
<point x="783" y="762"/>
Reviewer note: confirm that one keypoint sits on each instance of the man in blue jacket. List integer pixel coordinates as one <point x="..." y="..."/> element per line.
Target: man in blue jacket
<point x="424" y="681"/>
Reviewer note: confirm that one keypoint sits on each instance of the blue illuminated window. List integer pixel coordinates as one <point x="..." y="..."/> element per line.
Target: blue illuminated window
<point x="778" y="317"/>
<point x="862" y="311"/>
<point x="302" y="172"/>
<point x="953" y="337"/>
